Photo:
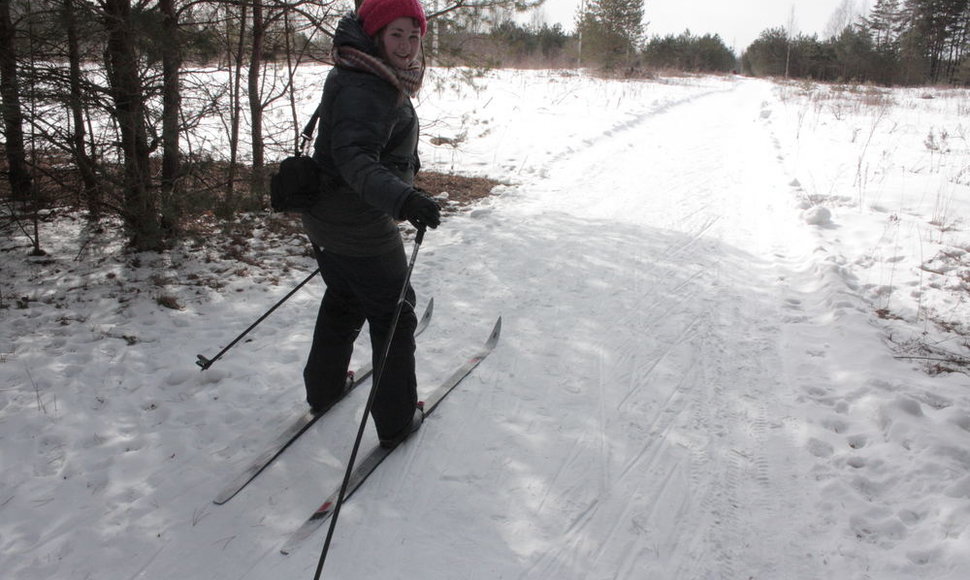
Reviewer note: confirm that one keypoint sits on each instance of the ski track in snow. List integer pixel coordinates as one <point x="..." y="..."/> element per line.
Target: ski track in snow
<point x="647" y="413"/>
<point x="675" y="484"/>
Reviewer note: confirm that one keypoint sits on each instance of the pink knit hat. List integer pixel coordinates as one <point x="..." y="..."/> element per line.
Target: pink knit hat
<point x="376" y="14"/>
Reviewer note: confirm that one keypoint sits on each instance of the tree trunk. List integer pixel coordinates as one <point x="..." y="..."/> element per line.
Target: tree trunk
<point x="141" y="212"/>
<point x="236" y="61"/>
<point x="291" y="80"/>
<point x="19" y="176"/>
<point x="171" y="106"/>
<point x="85" y="166"/>
<point x="255" y="102"/>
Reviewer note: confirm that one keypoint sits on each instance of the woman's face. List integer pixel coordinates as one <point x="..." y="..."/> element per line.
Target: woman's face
<point x="400" y="42"/>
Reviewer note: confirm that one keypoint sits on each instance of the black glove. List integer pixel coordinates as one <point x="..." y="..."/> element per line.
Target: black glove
<point x="421" y="210"/>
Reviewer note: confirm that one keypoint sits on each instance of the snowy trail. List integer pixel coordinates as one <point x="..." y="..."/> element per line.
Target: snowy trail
<point x="620" y="446"/>
<point x="690" y="383"/>
<point x="675" y="420"/>
<point x="633" y="407"/>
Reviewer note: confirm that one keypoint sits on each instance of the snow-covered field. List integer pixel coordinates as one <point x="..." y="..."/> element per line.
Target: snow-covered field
<point x="729" y="308"/>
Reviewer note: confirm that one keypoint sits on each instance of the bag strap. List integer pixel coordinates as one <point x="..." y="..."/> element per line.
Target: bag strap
<point x="307" y="135"/>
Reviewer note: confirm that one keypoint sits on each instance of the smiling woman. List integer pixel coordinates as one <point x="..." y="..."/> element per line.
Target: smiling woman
<point x="366" y="150"/>
<point x="398" y="26"/>
<point x="400" y="43"/>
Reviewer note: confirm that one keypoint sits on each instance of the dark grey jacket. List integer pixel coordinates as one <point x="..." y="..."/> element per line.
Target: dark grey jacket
<point x="366" y="148"/>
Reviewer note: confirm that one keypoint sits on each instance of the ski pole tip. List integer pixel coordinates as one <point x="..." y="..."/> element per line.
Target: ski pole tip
<point x="203" y="362"/>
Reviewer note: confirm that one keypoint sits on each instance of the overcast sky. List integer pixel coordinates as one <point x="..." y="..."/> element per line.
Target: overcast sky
<point x="739" y="22"/>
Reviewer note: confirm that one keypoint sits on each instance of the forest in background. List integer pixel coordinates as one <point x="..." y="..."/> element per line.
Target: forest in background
<point x="104" y="102"/>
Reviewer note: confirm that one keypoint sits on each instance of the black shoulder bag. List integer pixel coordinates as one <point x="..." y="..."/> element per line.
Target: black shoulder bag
<point x="295" y="187"/>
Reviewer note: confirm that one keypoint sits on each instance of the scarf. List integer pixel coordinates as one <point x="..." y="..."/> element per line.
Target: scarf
<point x="406" y="81"/>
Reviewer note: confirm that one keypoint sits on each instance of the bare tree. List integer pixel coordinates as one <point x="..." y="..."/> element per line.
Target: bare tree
<point x="124" y="78"/>
<point x="844" y="16"/>
<point x="13" y="119"/>
<point x="171" y="107"/>
<point x="791" y="38"/>
<point x="255" y="99"/>
<point x="91" y="193"/>
<point x="236" y="59"/>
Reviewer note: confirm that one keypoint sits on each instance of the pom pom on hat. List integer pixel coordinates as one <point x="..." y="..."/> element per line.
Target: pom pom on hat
<point x="376" y="14"/>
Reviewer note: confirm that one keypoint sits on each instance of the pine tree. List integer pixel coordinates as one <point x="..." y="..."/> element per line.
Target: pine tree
<point x="885" y="24"/>
<point x="937" y="32"/>
<point x="611" y="30"/>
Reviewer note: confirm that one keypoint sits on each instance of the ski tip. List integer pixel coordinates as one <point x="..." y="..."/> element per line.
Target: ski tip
<point x="228" y="493"/>
<point x="428" y="311"/>
<point x="426" y="317"/>
<point x="496" y="331"/>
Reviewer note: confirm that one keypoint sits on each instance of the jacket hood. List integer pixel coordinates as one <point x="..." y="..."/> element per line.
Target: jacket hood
<point x="350" y="32"/>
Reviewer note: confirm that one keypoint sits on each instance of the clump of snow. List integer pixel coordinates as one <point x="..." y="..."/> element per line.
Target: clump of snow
<point x="818" y="215"/>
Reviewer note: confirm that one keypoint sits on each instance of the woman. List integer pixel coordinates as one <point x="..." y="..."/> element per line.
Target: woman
<point x="367" y="151"/>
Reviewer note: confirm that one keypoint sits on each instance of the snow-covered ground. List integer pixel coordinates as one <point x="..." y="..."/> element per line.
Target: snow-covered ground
<point x="728" y="306"/>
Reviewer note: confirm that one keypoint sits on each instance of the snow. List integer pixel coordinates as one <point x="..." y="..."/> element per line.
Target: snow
<point x="726" y="304"/>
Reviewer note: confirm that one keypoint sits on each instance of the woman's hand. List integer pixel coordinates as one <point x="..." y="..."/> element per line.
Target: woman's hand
<point x="421" y="210"/>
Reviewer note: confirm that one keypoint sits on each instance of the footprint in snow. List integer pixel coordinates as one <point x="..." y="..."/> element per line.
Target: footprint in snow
<point x="51" y="456"/>
<point x="820" y="448"/>
<point x="858" y="441"/>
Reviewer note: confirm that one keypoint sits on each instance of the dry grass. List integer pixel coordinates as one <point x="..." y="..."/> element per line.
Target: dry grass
<point x="462" y="191"/>
<point x="203" y="229"/>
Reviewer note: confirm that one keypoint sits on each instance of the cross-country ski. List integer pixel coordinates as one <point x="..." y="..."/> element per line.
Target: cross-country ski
<point x="366" y="466"/>
<point x="292" y="432"/>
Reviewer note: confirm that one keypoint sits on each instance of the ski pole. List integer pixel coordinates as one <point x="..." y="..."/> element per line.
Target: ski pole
<point x="378" y="374"/>
<point x="207" y="362"/>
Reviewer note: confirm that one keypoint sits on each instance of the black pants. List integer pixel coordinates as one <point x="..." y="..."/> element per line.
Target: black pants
<point x="360" y="289"/>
